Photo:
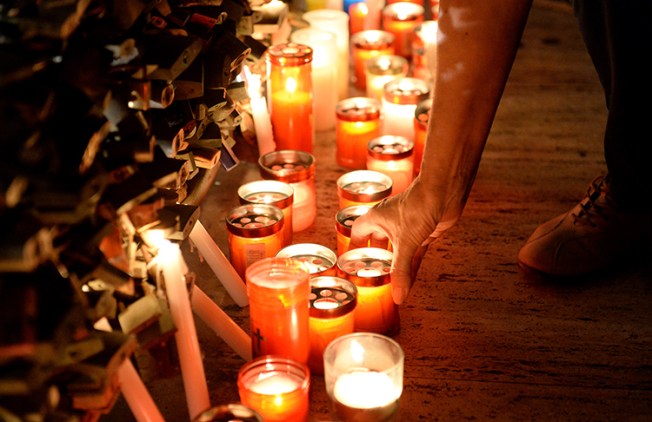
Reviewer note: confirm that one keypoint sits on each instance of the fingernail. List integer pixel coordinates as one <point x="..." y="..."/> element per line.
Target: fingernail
<point x="399" y="294"/>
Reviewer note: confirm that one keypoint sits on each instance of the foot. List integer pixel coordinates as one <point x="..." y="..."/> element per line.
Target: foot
<point x="590" y="237"/>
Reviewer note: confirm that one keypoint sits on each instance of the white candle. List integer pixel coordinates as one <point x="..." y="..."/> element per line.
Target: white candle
<point x="169" y="260"/>
<point x="275" y="383"/>
<point x="218" y="321"/>
<point x="220" y="265"/>
<point x="133" y="389"/>
<point x="365" y="390"/>
<point x="399" y="103"/>
<point x="260" y="114"/>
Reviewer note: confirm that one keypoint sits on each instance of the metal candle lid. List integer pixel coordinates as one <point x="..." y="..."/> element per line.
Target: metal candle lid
<point x="289" y="166"/>
<point x="403" y="11"/>
<point x="390" y="147"/>
<point x="406" y="91"/>
<point x="317" y="258"/>
<point x="366" y="267"/>
<point x="289" y="54"/>
<point x="346" y="216"/>
<point x="422" y="113"/>
<point x="254" y="220"/>
<point x="229" y="413"/>
<point x="387" y="65"/>
<point x="372" y="39"/>
<point x="331" y="297"/>
<point x="358" y="109"/>
<point x="271" y="192"/>
<point x="364" y="186"/>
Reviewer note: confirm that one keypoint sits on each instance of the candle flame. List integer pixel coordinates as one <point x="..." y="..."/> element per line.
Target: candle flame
<point x="357" y="352"/>
<point x="291" y="85"/>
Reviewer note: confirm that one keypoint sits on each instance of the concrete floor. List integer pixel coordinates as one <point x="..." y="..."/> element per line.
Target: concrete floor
<point x="482" y="339"/>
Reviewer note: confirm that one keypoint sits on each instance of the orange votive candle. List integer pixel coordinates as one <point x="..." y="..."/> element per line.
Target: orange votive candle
<point x="383" y="69"/>
<point x="255" y="232"/>
<point x="392" y="155"/>
<point x="277" y="388"/>
<point x="368" y="44"/>
<point x="319" y="259"/>
<point x="358" y="122"/>
<point x="296" y="168"/>
<point x="421" y="118"/>
<point x="369" y="270"/>
<point x="343" y="222"/>
<point x="289" y="88"/>
<point x="332" y="302"/>
<point x="363" y="187"/>
<point x="271" y="192"/>
<point x="357" y="16"/>
<point x="401" y="19"/>
<point x="278" y="290"/>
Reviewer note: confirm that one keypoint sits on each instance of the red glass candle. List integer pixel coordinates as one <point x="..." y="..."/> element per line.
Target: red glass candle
<point x="277" y="388"/>
<point x="401" y="19"/>
<point x="358" y="122"/>
<point x="289" y="93"/>
<point x="278" y="290"/>
<point x="421" y="118"/>
<point x="357" y="16"/>
<point x="383" y="69"/>
<point x="392" y="155"/>
<point x="369" y="270"/>
<point x="363" y="187"/>
<point x="366" y="45"/>
<point x="271" y="192"/>
<point x="319" y="259"/>
<point x="255" y="232"/>
<point x="332" y="302"/>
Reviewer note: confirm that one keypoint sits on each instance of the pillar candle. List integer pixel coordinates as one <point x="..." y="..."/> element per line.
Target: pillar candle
<point x="358" y="122"/>
<point x="424" y="50"/>
<point x="392" y="155"/>
<point x="421" y="118"/>
<point x="324" y="73"/>
<point x="220" y="265"/>
<point x="363" y="187"/>
<point x="374" y="12"/>
<point x="319" y="259"/>
<point x="381" y="70"/>
<point x="271" y="192"/>
<point x="401" y="19"/>
<point x="399" y="103"/>
<point x="365" y="45"/>
<point x="290" y="95"/>
<point x="357" y="17"/>
<point x="260" y="114"/>
<point x="337" y="23"/>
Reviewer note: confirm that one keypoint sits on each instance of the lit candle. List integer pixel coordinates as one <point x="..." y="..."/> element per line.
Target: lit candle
<point x="381" y="70"/>
<point x="421" y="118"/>
<point x="369" y="270"/>
<point x="392" y="155"/>
<point x="424" y="50"/>
<point x="324" y="74"/>
<point x="332" y="302"/>
<point x="170" y="262"/>
<point x="220" y="265"/>
<point x="343" y="222"/>
<point x="399" y="103"/>
<point x="337" y="23"/>
<point x="363" y="187"/>
<point x="271" y="192"/>
<point x="229" y="413"/>
<point x="357" y="17"/>
<point x="358" y="122"/>
<point x="289" y="88"/>
<point x="374" y="11"/>
<point x="366" y="45"/>
<point x="363" y="374"/>
<point x="297" y="168"/>
<point x="401" y="19"/>
<point x="318" y="259"/>
<point x="278" y="291"/>
<point x="275" y="387"/>
<point x="260" y="114"/>
<point x="221" y="324"/>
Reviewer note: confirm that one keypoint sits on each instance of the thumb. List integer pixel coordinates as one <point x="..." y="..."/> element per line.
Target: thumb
<point x="365" y="228"/>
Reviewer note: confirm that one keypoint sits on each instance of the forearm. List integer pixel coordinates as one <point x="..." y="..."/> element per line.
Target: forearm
<point x="478" y="40"/>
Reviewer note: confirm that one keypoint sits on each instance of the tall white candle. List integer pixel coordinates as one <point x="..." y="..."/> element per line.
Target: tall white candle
<point x="399" y="102"/>
<point x="218" y="321"/>
<point x="220" y="265"/>
<point x="169" y="260"/>
<point x="260" y="114"/>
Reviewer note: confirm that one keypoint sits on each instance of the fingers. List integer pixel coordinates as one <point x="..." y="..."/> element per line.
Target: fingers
<point x="402" y="271"/>
<point x="366" y="228"/>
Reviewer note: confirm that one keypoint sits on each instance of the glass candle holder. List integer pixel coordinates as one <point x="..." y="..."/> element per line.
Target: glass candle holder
<point x="401" y="19"/>
<point x="369" y="269"/>
<point x="400" y="100"/>
<point x="296" y="168"/>
<point x="381" y="70"/>
<point x="424" y="50"/>
<point x="332" y="302"/>
<point x="229" y="413"/>
<point x="363" y="373"/>
<point x="254" y="232"/>
<point x="276" y="387"/>
<point x="337" y="23"/>
<point x="343" y="222"/>
<point x="421" y="118"/>
<point x="358" y="12"/>
<point x="278" y="290"/>
<point x="363" y="187"/>
<point x="392" y="155"/>
<point x="319" y="259"/>
<point x="366" y="45"/>
<point x="324" y="74"/>
<point x="358" y="122"/>
<point x="271" y="192"/>
<point x="290" y="95"/>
